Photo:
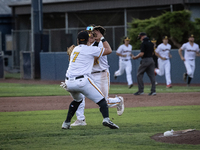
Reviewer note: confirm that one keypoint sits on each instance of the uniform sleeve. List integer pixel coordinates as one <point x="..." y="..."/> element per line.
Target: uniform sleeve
<point x="119" y="50"/>
<point x="183" y="46"/>
<point x="157" y="49"/>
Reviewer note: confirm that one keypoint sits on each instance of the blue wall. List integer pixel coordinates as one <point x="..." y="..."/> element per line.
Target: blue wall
<point x="54" y="66"/>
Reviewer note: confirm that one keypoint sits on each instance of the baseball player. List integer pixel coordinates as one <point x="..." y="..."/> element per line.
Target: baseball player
<point x="191" y="49"/>
<point x="101" y="76"/>
<point x="124" y="53"/>
<point x="80" y="83"/>
<point x="163" y="53"/>
<point x="155" y="58"/>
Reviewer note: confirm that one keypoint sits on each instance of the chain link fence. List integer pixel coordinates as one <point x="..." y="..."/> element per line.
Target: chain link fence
<point x="59" y="40"/>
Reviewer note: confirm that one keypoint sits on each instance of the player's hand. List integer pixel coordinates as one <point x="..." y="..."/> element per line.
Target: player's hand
<point x="133" y="57"/>
<point x="182" y="58"/>
<point x="123" y="55"/>
<point x="170" y="56"/>
<point x="98" y="34"/>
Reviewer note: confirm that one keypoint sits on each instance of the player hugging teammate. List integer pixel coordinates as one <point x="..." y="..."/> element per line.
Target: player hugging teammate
<point x="100" y="75"/>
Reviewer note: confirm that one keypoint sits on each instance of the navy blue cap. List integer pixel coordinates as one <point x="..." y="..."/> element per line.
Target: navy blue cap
<point x="83" y="36"/>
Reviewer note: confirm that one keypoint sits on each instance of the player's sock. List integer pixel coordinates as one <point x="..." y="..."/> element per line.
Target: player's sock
<point x="103" y="108"/>
<point x="72" y="109"/>
<point x="189" y="80"/>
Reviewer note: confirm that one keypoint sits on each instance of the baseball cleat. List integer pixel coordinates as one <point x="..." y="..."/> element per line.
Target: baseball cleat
<point x="138" y="93"/>
<point x="66" y="125"/>
<point x="152" y="93"/>
<point x="169" y="86"/>
<point x="106" y="122"/>
<point x="115" y="77"/>
<point x="79" y="123"/>
<point x="130" y="86"/>
<point x="120" y="106"/>
<point x="185" y="77"/>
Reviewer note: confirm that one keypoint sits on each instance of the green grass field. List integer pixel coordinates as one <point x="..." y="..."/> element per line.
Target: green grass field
<point x="42" y="129"/>
<point x="16" y="89"/>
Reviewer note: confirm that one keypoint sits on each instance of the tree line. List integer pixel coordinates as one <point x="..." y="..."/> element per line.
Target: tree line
<point x="176" y="25"/>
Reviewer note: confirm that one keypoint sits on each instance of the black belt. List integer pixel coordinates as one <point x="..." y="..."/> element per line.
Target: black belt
<point x="125" y="59"/>
<point x="98" y="71"/>
<point x="76" y="77"/>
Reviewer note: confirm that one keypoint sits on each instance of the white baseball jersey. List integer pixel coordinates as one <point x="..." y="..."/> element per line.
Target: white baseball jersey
<point x="125" y="50"/>
<point x="102" y="62"/>
<point x="163" y="50"/>
<point x="190" y="51"/>
<point x="81" y="60"/>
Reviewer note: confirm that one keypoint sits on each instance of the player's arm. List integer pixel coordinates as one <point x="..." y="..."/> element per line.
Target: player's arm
<point x="119" y="51"/>
<point x="170" y="56"/>
<point x="197" y="53"/>
<point x="138" y="56"/>
<point x="141" y="52"/>
<point x="120" y="55"/>
<point x="181" y="55"/>
<point x="107" y="47"/>
<point x="158" y="55"/>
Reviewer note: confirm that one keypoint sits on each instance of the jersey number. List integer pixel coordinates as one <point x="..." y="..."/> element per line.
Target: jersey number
<point x="76" y="55"/>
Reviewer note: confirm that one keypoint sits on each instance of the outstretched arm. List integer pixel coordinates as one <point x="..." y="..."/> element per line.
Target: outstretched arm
<point x="138" y="56"/>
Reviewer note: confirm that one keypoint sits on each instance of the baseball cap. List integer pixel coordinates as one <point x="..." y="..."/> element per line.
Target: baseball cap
<point x="165" y="37"/>
<point x="83" y="36"/>
<point x="140" y="35"/>
<point x="191" y="35"/>
<point x="126" y="38"/>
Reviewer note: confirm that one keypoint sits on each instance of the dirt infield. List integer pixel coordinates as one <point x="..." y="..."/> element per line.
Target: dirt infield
<point x="8" y="104"/>
<point x="62" y="102"/>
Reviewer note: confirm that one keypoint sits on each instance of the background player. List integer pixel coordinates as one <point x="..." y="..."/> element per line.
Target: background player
<point x="155" y="58"/>
<point x="163" y="53"/>
<point x="191" y="49"/>
<point x="125" y="52"/>
<point x="78" y="79"/>
<point x="101" y="76"/>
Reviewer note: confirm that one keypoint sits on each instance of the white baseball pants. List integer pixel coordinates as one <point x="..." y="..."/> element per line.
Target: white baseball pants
<point x="164" y="68"/>
<point x="83" y="86"/>
<point x="190" y="67"/>
<point x="127" y="66"/>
